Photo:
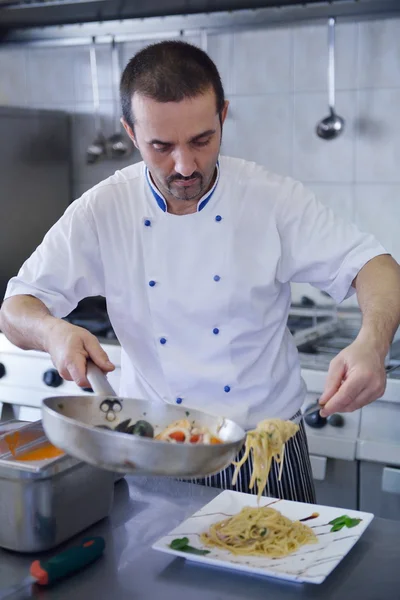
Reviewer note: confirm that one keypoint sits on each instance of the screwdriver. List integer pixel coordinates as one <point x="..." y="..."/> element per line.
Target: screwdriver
<point x="61" y="565"/>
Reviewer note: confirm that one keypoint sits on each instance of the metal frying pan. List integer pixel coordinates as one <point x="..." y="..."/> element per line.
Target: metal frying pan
<point x="72" y="424"/>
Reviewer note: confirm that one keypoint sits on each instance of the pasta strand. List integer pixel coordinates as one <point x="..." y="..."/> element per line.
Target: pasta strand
<point x="265" y="442"/>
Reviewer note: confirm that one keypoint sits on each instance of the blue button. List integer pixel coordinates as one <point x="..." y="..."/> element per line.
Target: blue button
<point x="163" y="340"/>
<point x="217" y="277"/>
<point x="152" y="283"/>
<point x="216" y="330"/>
<point x="147" y="222"/>
<point x="218" y="218"/>
<point x="227" y="388"/>
<point x="178" y="400"/>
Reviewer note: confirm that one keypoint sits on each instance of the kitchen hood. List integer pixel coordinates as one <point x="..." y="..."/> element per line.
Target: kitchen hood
<point x="20" y="14"/>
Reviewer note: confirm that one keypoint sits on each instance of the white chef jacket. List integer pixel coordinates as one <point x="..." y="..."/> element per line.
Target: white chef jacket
<point x="199" y="302"/>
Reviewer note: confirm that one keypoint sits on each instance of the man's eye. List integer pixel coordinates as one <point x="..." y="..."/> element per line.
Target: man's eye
<point x="160" y="148"/>
<point x="204" y="143"/>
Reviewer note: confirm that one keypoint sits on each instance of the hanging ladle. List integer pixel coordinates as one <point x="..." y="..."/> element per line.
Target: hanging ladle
<point x="118" y="145"/>
<point x="332" y="126"/>
<point x="97" y="149"/>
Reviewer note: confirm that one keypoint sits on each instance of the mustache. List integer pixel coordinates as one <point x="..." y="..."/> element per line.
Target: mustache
<point x="194" y="175"/>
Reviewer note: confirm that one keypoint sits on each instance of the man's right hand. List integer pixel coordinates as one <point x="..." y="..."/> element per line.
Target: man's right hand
<point x="70" y="347"/>
<point x="28" y="324"/>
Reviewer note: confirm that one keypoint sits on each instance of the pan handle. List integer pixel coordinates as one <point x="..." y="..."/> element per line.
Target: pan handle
<point x="98" y="380"/>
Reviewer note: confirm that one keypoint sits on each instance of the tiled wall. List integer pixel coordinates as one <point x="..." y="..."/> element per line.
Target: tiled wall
<point x="276" y="82"/>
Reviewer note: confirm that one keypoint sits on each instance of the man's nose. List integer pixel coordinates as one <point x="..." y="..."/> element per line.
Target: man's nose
<point x="184" y="163"/>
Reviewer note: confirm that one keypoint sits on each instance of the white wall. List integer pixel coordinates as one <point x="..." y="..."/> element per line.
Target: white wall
<point x="276" y="82"/>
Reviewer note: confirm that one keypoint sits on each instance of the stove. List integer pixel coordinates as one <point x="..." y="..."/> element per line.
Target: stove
<point x="307" y="323"/>
<point x="91" y="313"/>
<point x="355" y="456"/>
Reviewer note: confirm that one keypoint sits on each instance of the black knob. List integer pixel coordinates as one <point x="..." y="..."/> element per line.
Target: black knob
<point x="52" y="378"/>
<point x="2" y="370"/>
<point x="336" y="420"/>
<point x="314" y="419"/>
<point x="88" y="389"/>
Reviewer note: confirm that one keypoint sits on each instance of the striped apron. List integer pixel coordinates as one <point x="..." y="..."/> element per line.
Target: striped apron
<point x="296" y="482"/>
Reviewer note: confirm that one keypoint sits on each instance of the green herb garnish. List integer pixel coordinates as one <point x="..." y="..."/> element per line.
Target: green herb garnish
<point x="263" y="532"/>
<point x="182" y="544"/>
<point x="343" y="521"/>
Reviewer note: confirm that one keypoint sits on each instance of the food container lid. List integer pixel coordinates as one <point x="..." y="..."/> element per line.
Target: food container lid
<point x="11" y="425"/>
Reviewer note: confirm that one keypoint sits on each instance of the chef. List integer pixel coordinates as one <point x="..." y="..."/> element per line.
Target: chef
<point x="195" y="253"/>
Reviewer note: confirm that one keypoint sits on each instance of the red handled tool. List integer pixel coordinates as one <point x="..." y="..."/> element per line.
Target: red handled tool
<point x="61" y="565"/>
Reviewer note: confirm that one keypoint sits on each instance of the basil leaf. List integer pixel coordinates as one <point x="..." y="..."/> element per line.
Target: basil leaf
<point x="352" y="522"/>
<point x="341" y="519"/>
<point x="179" y="543"/>
<point x="182" y="544"/>
<point x="337" y="527"/>
<point x="192" y="550"/>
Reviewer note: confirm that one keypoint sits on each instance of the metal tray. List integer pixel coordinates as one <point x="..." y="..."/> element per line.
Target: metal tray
<point x="43" y="503"/>
<point x="11" y="425"/>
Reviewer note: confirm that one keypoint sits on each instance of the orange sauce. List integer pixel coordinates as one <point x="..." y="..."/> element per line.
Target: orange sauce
<point x="41" y="453"/>
<point x="12" y="440"/>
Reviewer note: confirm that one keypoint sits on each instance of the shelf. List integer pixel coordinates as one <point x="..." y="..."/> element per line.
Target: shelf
<point x="83" y="19"/>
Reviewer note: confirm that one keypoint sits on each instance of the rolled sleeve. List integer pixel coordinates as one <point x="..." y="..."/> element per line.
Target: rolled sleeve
<point x="66" y="267"/>
<point x="320" y="248"/>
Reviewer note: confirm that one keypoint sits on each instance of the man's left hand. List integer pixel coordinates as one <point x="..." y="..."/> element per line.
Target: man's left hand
<point x="356" y="377"/>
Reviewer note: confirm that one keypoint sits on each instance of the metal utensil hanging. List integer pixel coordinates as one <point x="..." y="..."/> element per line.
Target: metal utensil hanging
<point x="118" y="144"/>
<point x="97" y="149"/>
<point x="332" y="125"/>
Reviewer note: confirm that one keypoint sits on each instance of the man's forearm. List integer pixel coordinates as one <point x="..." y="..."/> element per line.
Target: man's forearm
<point x="26" y="322"/>
<point x="378" y="293"/>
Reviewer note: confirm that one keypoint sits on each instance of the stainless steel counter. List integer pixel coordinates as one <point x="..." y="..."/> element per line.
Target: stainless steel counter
<point x="145" y="509"/>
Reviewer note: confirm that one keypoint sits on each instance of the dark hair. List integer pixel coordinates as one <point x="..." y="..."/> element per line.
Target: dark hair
<point x="169" y="72"/>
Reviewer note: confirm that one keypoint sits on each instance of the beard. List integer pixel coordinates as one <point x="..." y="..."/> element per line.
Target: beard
<point x="189" y="192"/>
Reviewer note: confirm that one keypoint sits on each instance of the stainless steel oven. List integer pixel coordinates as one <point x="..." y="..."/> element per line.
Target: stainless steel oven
<point x="332" y="446"/>
<point x="378" y="452"/>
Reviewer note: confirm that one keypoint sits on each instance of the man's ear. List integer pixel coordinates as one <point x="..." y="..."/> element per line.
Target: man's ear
<point x="129" y="131"/>
<point x="224" y="111"/>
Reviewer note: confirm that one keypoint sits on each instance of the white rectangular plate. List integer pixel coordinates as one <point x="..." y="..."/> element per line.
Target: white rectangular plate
<point x="311" y="563"/>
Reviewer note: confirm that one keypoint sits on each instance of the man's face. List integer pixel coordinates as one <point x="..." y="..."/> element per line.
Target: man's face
<point x="179" y="142"/>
